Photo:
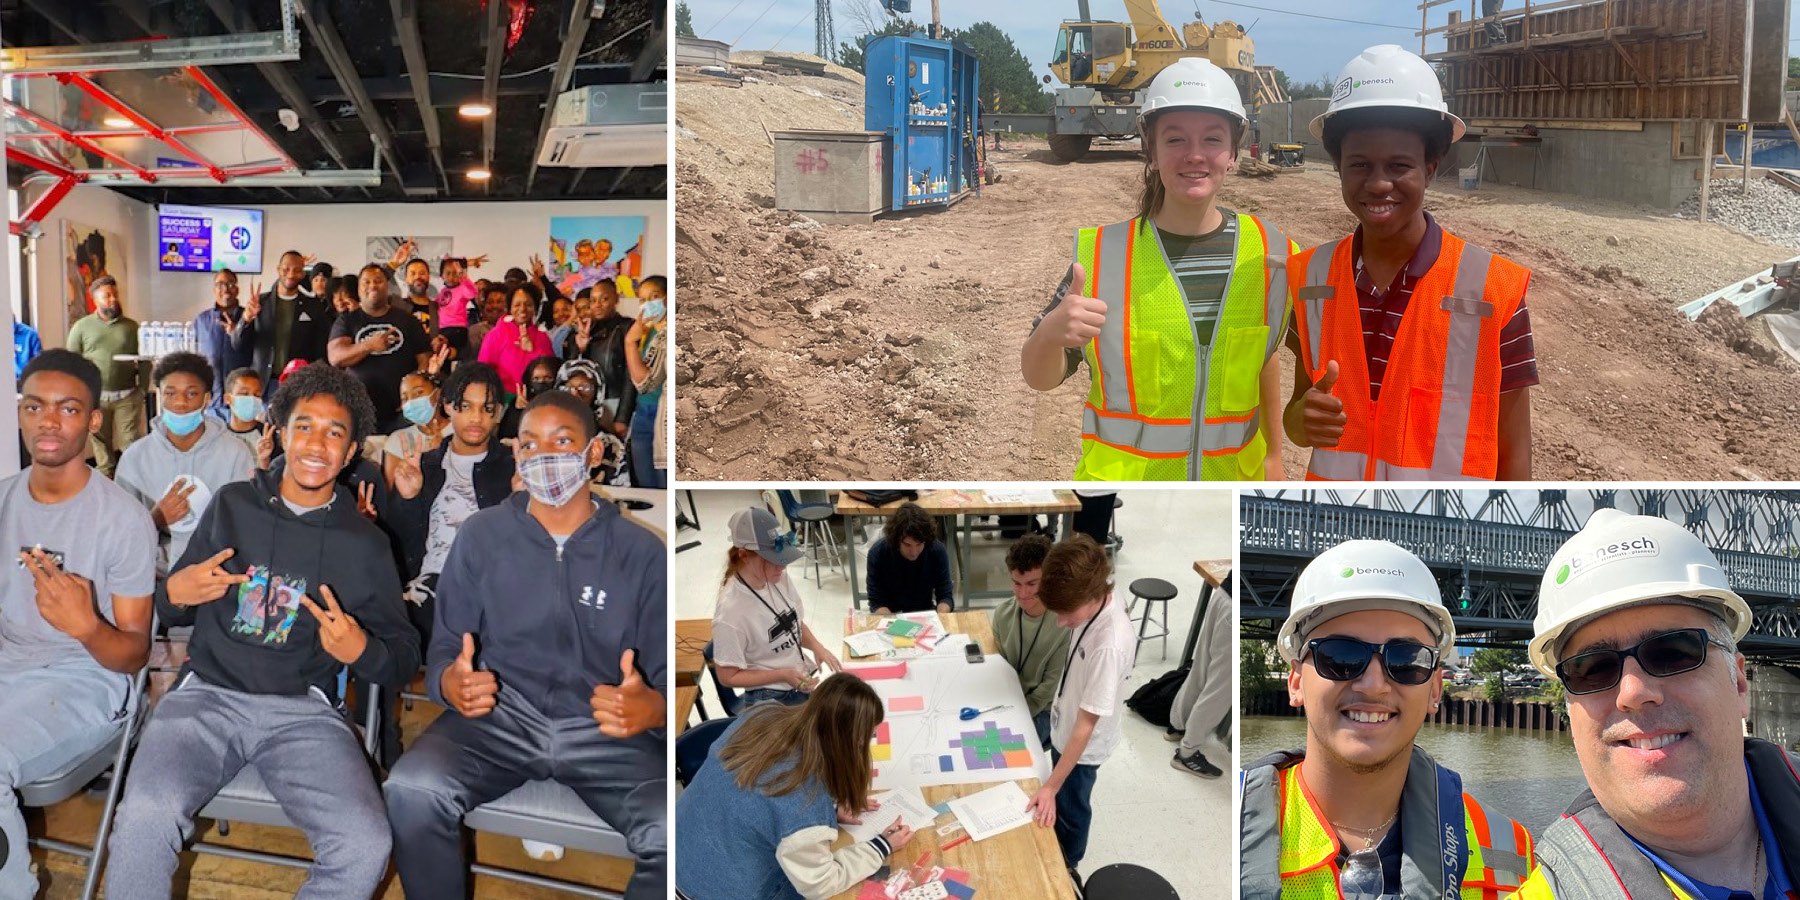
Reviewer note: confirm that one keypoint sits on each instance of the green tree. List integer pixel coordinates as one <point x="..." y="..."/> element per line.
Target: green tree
<point x="1794" y="67"/>
<point x="1005" y="72"/>
<point x="855" y="55"/>
<point x="1497" y="662"/>
<point x="684" y="20"/>
<point x="1495" y="688"/>
<point x="1258" y="668"/>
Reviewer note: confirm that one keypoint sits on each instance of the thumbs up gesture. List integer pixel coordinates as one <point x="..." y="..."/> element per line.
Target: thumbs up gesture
<point x="632" y="706"/>
<point x="469" y="690"/>
<point x="1322" y="415"/>
<point x="1074" y="319"/>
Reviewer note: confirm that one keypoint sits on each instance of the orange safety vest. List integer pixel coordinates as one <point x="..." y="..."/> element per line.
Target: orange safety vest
<point x="1439" y="414"/>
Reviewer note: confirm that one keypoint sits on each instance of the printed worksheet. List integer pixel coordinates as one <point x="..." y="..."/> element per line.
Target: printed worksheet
<point x="906" y="804"/>
<point x="997" y="810"/>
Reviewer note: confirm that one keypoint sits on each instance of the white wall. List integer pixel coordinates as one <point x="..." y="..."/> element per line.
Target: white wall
<point x="507" y="232"/>
<point x="95" y="207"/>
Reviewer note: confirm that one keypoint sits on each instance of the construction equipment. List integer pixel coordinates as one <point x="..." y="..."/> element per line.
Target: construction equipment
<point x="1105" y="65"/>
<point x="1287" y="156"/>
<point x="1775" y="291"/>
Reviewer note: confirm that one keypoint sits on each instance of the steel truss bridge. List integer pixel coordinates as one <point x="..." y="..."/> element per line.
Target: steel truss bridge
<point x="1489" y="550"/>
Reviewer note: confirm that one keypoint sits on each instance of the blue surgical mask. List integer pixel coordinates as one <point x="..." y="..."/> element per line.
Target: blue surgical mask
<point x="653" y="309"/>
<point x="418" y="410"/>
<point x="182" y="424"/>
<point x="246" y="407"/>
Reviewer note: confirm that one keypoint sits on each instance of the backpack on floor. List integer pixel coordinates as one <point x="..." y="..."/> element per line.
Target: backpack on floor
<point x="1154" y="700"/>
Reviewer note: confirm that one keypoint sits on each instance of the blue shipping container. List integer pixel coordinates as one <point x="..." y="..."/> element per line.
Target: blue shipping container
<point x="922" y="94"/>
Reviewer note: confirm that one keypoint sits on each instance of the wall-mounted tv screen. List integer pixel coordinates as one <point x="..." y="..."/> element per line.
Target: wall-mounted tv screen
<point x="208" y="238"/>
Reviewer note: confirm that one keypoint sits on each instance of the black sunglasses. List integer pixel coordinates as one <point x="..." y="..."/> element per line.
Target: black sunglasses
<point x="1344" y="659"/>
<point x="1670" y="653"/>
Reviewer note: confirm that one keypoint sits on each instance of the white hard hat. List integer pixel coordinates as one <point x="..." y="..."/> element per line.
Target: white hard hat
<point x="1618" y="560"/>
<point x="1388" y="75"/>
<point x="1359" y="575"/>
<point x="1193" y="83"/>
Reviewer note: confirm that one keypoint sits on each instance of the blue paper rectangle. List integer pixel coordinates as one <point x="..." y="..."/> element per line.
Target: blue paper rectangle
<point x="958" y="890"/>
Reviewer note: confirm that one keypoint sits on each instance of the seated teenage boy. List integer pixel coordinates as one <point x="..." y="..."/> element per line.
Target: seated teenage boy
<point x="285" y="585"/>
<point x="550" y="622"/>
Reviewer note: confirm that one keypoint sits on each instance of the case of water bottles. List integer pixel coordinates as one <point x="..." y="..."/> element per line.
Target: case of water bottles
<point x="162" y="338"/>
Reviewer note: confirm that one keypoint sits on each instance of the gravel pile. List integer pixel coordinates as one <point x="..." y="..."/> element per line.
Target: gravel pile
<point x="1769" y="210"/>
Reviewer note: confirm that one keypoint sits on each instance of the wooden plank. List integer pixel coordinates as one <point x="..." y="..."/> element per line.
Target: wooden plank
<point x="691" y="638"/>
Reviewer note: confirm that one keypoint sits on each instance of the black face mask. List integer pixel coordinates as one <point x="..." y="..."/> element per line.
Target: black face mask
<point x="534" y="388"/>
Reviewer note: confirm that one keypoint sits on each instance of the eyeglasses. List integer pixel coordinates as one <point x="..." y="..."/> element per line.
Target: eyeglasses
<point x="1344" y="659"/>
<point x="1361" y="878"/>
<point x="1670" y="653"/>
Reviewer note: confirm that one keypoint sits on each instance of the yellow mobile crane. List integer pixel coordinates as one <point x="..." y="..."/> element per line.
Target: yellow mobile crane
<point x="1104" y="67"/>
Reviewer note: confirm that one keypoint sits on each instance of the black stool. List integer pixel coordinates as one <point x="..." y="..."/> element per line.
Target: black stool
<point x="1152" y="591"/>
<point x="1123" y="881"/>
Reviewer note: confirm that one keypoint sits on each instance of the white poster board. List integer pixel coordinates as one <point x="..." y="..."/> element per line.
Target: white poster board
<point x="930" y="745"/>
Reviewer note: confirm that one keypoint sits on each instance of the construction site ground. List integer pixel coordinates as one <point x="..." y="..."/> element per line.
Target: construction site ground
<point x="890" y="351"/>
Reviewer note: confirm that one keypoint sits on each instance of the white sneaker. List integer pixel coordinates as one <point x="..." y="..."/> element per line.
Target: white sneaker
<point x="541" y="851"/>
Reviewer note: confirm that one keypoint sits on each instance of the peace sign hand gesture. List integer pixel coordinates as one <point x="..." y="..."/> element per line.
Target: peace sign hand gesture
<point x="338" y="633"/>
<point x="204" y="581"/>
<point x="365" y="500"/>
<point x="64" y="599"/>
<point x="173" y="507"/>
<point x="409" y="478"/>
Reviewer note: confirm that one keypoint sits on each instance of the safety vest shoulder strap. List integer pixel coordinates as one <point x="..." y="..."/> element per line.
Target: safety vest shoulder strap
<point x="1259" y="852"/>
<point x="1309" y="301"/>
<point x="1107" y="257"/>
<point x="1433" y="836"/>
<point x="1585" y="855"/>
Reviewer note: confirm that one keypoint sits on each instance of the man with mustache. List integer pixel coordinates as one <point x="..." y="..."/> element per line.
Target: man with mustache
<point x="1638" y="621"/>
<point x="1361" y="812"/>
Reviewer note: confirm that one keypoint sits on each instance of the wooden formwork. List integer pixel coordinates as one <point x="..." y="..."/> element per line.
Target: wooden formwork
<point x="1599" y="60"/>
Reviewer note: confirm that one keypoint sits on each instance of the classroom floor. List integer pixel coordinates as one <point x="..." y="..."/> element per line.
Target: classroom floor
<point x="1145" y="812"/>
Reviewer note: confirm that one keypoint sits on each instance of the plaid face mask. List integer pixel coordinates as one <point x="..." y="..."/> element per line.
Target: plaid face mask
<point x="553" y="478"/>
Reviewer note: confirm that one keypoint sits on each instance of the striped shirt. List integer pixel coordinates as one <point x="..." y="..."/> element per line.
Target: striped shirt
<point x="1382" y="310"/>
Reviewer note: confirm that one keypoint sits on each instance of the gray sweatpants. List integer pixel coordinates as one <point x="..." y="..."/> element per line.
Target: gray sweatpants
<point x="1205" y="697"/>
<point x="49" y="717"/>
<point x="199" y="738"/>
<point x="459" y="764"/>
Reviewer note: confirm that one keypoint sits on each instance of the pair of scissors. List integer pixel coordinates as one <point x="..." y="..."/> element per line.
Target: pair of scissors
<point x="969" y="712"/>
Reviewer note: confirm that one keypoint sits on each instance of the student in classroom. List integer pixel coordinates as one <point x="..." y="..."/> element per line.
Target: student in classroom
<point x="1084" y="718"/>
<point x="908" y="566"/>
<point x="1031" y="640"/>
<point x="761" y="815"/>
<point x="760" y="636"/>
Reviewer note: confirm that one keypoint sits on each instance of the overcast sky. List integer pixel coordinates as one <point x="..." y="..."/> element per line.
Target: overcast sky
<point x="1303" y="47"/>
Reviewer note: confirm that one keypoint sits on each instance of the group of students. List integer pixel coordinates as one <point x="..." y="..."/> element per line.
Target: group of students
<point x="1638" y="622"/>
<point x="1413" y="348"/>
<point x="541" y="629"/>
<point x="400" y="344"/>
<point x="758" y="818"/>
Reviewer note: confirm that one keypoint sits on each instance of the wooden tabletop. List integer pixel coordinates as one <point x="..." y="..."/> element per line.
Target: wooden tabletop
<point x="1027" y="860"/>
<point x="684" y="705"/>
<point x="968" y="503"/>
<point x="1215" y="571"/>
<point x="978" y="625"/>
<point x="691" y="638"/>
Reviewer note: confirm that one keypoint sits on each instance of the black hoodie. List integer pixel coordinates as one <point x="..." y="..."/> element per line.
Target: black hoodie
<point x="245" y="643"/>
<point x="552" y="623"/>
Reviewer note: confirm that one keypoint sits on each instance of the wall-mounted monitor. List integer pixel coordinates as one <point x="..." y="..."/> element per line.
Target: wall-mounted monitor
<point x="208" y="238"/>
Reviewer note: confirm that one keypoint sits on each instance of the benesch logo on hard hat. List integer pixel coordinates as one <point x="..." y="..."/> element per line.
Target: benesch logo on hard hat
<point x="1631" y="548"/>
<point x="1351" y="571"/>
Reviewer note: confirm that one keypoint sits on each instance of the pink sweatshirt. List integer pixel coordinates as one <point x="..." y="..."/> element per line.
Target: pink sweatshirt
<point x="453" y="304"/>
<point x="500" y="349"/>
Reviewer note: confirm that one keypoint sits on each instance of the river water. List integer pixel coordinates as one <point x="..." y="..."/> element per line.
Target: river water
<point x="1529" y="777"/>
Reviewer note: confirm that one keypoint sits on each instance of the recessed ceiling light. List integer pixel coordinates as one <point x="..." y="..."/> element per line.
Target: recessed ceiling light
<point x="117" y="122"/>
<point x="475" y="110"/>
<point x="479" y="174"/>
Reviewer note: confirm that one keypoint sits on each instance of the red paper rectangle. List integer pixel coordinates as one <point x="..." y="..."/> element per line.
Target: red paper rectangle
<point x="906" y="704"/>
<point x="877" y="673"/>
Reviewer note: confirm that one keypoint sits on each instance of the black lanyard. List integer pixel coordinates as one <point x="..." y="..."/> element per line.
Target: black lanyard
<point x="792" y="619"/>
<point x="1020" y="630"/>
<point x="1077" y="648"/>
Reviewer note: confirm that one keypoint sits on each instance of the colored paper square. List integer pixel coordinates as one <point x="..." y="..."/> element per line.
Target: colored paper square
<point x="881" y="734"/>
<point x="881" y="752"/>
<point x="1018" y="759"/>
<point x="958" y="889"/>
<point x="877" y="673"/>
<point x="955" y="875"/>
<point x="874" y="890"/>
<point x="942" y="809"/>
<point x="906" y="704"/>
<point x="946" y="764"/>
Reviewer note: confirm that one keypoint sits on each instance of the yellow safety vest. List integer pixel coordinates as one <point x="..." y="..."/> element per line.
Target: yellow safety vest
<point x="1500" y="851"/>
<point x="1537" y="887"/>
<point x="1165" y="403"/>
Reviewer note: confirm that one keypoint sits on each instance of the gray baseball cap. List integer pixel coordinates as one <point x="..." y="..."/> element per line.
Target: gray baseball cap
<point x="755" y="529"/>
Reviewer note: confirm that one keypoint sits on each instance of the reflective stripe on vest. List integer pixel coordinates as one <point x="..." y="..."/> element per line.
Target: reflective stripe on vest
<point x="1453" y="389"/>
<point x="1158" y="404"/>
<point x="1288" y="850"/>
<point x="1585" y="855"/>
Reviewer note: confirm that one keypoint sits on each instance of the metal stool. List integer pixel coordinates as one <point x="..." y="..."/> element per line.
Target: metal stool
<point x="1123" y="880"/>
<point x="812" y="521"/>
<point x="1152" y="591"/>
